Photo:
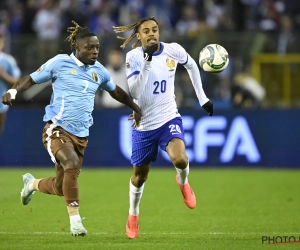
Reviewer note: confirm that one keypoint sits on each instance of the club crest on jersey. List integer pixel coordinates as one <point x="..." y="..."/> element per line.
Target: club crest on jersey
<point x="170" y="64"/>
<point x="127" y="65"/>
<point x="73" y="72"/>
<point x="95" y="77"/>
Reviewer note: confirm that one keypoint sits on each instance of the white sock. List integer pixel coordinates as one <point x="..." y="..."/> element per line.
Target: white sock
<point x="135" y="195"/>
<point x="183" y="174"/>
<point x="75" y="218"/>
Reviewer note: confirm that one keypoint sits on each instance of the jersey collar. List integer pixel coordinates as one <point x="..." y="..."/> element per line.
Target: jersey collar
<point x="79" y="63"/>
<point x="160" y="51"/>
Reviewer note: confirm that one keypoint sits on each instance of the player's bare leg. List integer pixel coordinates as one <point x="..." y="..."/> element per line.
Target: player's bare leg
<point x="136" y="188"/>
<point x="177" y="154"/>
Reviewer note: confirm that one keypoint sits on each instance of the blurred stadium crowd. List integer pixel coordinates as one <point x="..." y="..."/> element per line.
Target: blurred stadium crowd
<point x="37" y="28"/>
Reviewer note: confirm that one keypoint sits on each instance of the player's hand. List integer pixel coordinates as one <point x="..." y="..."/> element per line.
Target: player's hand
<point x="148" y="52"/>
<point x="135" y="117"/>
<point x="209" y="108"/>
<point x="131" y="118"/>
<point x="7" y="98"/>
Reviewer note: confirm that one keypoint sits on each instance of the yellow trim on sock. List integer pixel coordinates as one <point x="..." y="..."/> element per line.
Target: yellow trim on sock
<point x="73" y="210"/>
<point x="35" y="184"/>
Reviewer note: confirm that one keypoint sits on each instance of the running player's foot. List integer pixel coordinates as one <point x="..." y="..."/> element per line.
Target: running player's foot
<point x="188" y="195"/>
<point x="132" y="226"/>
<point x="77" y="229"/>
<point x="27" y="191"/>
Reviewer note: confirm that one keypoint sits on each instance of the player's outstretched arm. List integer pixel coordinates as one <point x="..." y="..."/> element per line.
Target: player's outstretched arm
<point x="21" y="85"/>
<point x="121" y="96"/>
<point x="194" y="74"/>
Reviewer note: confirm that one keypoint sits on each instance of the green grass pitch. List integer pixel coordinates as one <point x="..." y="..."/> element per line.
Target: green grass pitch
<point x="235" y="208"/>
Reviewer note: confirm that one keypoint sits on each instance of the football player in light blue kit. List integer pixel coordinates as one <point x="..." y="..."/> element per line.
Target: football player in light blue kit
<point x="75" y="80"/>
<point x="9" y="75"/>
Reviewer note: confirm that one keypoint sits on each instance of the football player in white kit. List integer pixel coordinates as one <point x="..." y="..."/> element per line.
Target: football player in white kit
<point x="150" y="69"/>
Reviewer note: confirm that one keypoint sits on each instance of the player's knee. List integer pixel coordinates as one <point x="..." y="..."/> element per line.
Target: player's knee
<point x="72" y="163"/>
<point x="140" y="179"/>
<point x="180" y="162"/>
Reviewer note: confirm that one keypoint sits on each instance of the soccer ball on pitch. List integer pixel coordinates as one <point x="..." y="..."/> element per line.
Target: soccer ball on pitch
<point x="213" y="58"/>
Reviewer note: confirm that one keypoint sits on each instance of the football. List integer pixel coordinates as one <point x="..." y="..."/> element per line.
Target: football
<point x="213" y="58"/>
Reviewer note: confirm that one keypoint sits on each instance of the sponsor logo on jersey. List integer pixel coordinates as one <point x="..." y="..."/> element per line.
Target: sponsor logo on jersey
<point x="95" y="77"/>
<point x="73" y="72"/>
<point x="170" y="64"/>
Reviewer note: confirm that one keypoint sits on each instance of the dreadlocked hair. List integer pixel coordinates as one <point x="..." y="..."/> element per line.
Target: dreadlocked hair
<point x="135" y="28"/>
<point x="77" y="32"/>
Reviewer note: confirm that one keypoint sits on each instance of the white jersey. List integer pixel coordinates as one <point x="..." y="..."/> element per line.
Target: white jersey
<point x="151" y="84"/>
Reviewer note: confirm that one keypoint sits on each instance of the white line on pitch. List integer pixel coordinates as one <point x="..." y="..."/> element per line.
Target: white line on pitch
<point x="169" y="233"/>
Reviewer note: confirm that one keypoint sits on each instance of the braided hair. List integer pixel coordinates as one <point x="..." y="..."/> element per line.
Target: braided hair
<point x="135" y="28"/>
<point x="77" y="32"/>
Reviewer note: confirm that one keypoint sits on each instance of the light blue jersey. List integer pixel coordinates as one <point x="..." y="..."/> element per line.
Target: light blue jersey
<point x="74" y="86"/>
<point x="7" y="64"/>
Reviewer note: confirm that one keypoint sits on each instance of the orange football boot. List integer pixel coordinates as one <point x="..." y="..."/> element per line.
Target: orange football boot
<point x="188" y="195"/>
<point x="132" y="226"/>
